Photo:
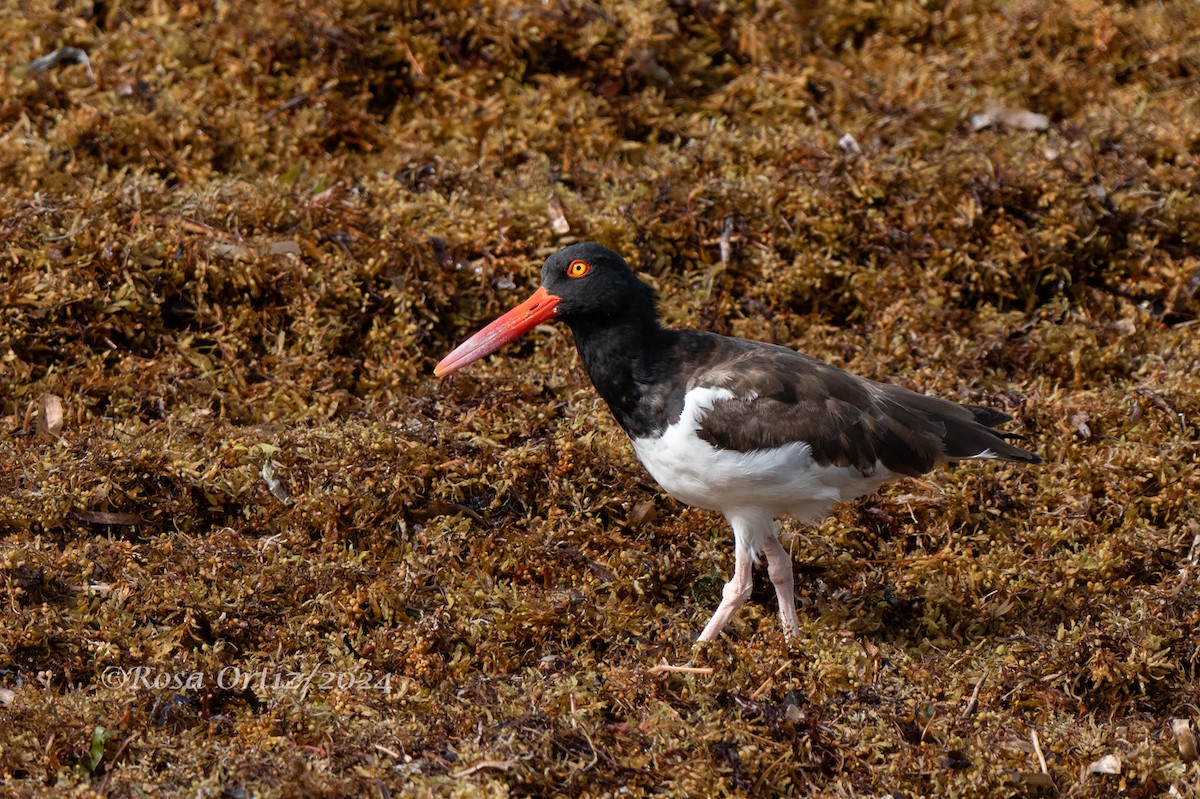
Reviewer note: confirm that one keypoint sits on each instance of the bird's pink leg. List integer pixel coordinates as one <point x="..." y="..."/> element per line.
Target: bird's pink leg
<point x="734" y="595"/>
<point x="779" y="566"/>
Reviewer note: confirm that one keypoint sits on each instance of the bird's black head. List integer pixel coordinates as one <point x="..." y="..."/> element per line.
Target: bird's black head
<point x="586" y="285"/>
<point x="594" y="283"/>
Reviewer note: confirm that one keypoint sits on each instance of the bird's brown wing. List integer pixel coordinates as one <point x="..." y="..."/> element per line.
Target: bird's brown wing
<point x="781" y="396"/>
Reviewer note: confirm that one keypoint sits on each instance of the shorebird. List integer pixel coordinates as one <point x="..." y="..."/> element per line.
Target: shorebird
<point x="753" y="430"/>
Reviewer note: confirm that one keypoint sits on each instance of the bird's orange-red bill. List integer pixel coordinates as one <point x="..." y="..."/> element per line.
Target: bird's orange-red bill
<point x="520" y="320"/>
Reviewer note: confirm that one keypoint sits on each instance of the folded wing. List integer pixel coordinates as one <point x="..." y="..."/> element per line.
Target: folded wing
<point x="781" y="396"/>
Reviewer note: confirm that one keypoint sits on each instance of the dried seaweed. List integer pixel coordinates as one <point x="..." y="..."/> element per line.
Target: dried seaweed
<point x="249" y="546"/>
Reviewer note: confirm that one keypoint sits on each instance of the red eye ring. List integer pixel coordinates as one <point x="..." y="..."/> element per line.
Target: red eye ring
<point x="578" y="268"/>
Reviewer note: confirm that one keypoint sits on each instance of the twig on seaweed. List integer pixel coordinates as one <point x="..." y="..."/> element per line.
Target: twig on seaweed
<point x="299" y="99"/>
<point x="925" y="729"/>
<point x="70" y="234"/>
<point x="120" y="751"/>
<point x="973" y="702"/>
<point x="664" y="668"/>
<point x="392" y="753"/>
<point x="418" y="70"/>
<point x="1037" y="750"/>
<point x="499" y="765"/>
<point x="725" y="240"/>
<point x="769" y="681"/>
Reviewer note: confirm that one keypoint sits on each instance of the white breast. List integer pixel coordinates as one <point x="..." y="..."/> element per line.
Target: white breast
<point x="776" y="480"/>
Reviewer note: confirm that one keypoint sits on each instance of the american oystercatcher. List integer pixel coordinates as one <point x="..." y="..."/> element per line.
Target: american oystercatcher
<point x="752" y="430"/>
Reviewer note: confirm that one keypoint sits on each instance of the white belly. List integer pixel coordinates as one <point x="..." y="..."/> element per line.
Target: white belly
<point x="775" y="481"/>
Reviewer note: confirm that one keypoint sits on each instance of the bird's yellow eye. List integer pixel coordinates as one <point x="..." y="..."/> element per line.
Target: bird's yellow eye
<point x="578" y="268"/>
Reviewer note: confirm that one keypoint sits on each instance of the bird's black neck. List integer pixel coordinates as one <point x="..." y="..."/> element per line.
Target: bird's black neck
<point x="627" y="359"/>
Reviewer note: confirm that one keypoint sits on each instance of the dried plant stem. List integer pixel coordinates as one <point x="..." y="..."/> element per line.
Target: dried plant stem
<point x="664" y="668"/>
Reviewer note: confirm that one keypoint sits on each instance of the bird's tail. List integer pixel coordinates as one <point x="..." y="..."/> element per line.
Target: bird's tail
<point x="975" y="438"/>
<point x="965" y="430"/>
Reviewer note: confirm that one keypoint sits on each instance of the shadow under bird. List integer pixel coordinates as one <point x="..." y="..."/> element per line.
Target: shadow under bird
<point x="752" y="430"/>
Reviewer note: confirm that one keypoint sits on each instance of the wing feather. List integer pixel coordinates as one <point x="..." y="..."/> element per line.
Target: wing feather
<point x="781" y="396"/>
